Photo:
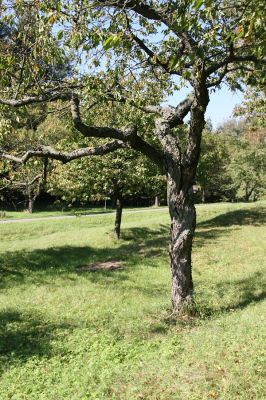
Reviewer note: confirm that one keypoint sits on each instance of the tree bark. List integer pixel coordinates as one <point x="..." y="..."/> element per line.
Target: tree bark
<point x="118" y="216"/>
<point x="248" y="192"/>
<point x="183" y="222"/>
<point x="157" y="201"/>
<point x="31" y="201"/>
<point x="203" y="199"/>
<point x="181" y="172"/>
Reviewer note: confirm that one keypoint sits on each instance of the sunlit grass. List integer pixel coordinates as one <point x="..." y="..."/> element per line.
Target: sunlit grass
<point x="66" y="335"/>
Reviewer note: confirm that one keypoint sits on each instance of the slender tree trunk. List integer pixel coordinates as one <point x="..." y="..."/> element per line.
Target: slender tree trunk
<point x="33" y="197"/>
<point x="248" y="193"/>
<point x="157" y="201"/>
<point x="118" y="216"/>
<point x="30" y="204"/>
<point x="203" y="199"/>
<point x="183" y="222"/>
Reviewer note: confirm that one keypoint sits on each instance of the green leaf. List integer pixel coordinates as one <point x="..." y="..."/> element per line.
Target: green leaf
<point x="108" y="43"/>
<point x="197" y="4"/>
<point x="173" y="62"/>
<point x="112" y="41"/>
<point x="60" y="34"/>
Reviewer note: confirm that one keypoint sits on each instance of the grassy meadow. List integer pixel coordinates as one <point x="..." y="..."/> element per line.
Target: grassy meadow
<point x="70" y="335"/>
<point x="24" y="214"/>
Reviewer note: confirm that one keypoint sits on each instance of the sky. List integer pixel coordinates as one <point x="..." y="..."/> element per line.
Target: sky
<point x="221" y="105"/>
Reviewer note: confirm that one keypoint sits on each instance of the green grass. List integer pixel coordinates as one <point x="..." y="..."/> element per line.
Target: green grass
<point x="6" y="215"/>
<point x="9" y="215"/>
<point x="109" y="335"/>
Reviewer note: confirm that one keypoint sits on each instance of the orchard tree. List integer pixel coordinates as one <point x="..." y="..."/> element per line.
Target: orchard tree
<point x="212" y="174"/>
<point x="121" y="175"/>
<point x="244" y="169"/>
<point x="249" y="169"/>
<point x="118" y="176"/>
<point x="252" y="113"/>
<point x="169" y="44"/>
<point x="29" y="180"/>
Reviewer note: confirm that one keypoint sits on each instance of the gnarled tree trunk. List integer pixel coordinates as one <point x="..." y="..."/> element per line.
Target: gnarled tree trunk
<point x="183" y="222"/>
<point x="181" y="172"/>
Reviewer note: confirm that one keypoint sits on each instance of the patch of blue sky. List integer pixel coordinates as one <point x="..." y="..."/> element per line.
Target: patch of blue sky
<point x="221" y="105"/>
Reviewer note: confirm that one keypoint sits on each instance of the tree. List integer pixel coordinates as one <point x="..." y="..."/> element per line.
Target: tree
<point x="245" y="165"/>
<point x="118" y="176"/>
<point x="212" y="174"/>
<point x="249" y="167"/>
<point x="168" y="43"/>
<point x="123" y="175"/>
<point x="29" y="180"/>
<point x="252" y="113"/>
<point x="250" y="159"/>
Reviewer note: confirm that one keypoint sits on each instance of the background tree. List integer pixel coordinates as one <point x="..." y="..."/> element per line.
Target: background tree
<point x="248" y="169"/>
<point x="213" y="175"/>
<point x="252" y="113"/>
<point x="123" y="175"/>
<point x="119" y="177"/>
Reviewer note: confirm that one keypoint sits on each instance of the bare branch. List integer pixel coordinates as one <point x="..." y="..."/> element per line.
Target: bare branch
<point x="49" y="152"/>
<point x="181" y="111"/>
<point x="26" y="184"/>
<point x="128" y="135"/>
<point x="46" y="96"/>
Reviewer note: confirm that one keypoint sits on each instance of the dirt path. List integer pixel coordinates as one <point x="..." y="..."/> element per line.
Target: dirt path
<point x="12" y="221"/>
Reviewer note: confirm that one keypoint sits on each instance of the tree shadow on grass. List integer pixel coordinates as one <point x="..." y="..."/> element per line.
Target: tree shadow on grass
<point x="41" y="266"/>
<point x="249" y="290"/>
<point x="138" y="243"/>
<point x="249" y="216"/>
<point x="24" y="335"/>
<point x="245" y="292"/>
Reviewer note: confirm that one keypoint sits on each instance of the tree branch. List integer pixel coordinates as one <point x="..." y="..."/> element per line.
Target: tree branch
<point x="46" y="96"/>
<point x="26" y="184"/>
<point x="92" y="131"/>
<point x="153" y="56"/>
<point x="229" y="60"/>
<point x="181" y="111"/>
<point x="49" y="152"/>
<point x="149" y="109"/>
<point x="139" y="7"/>
<point x="129" y="135"/>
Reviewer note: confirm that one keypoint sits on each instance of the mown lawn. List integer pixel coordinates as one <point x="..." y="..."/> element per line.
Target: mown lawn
<point x="67" y="335"/>
<point x="9" y="215"/>
<point x="78" y="212"/>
